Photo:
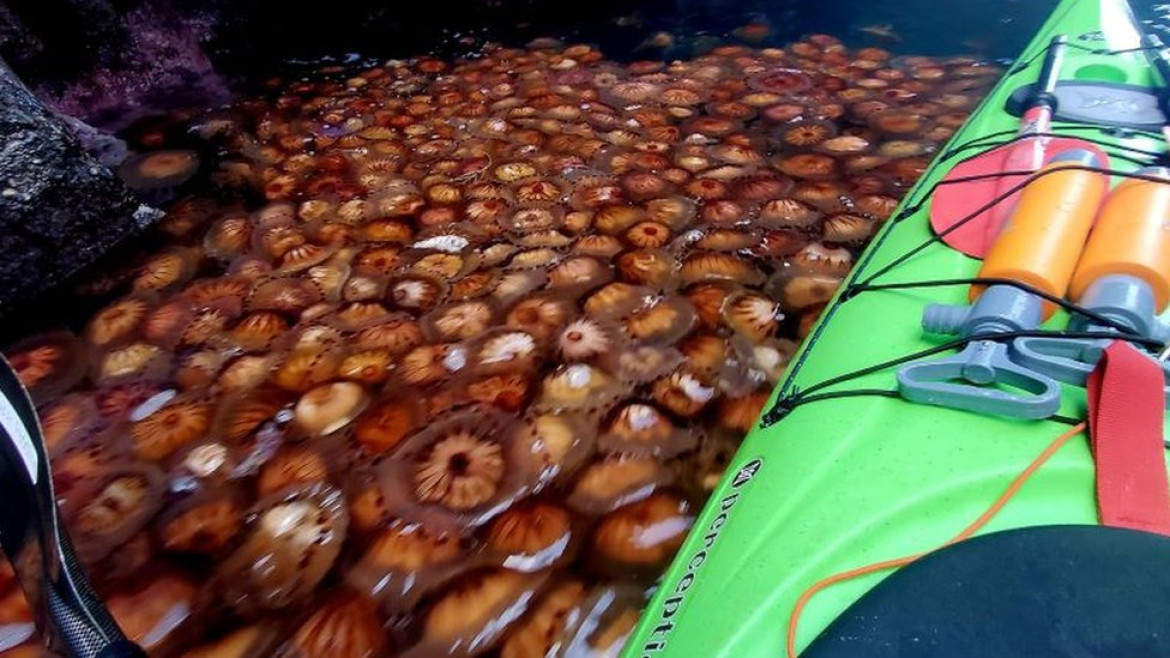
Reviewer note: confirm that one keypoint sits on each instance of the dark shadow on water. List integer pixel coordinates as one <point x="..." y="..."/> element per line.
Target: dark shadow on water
<point x="177" y="42"/>
<point x="650" y="29"/>
<point x="624" y="30"/>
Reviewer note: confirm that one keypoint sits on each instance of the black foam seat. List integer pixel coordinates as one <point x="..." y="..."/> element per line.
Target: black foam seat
<point x="1034" y="592"/>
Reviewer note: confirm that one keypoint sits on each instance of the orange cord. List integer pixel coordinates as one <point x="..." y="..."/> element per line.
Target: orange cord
<point x="971" y="529"/>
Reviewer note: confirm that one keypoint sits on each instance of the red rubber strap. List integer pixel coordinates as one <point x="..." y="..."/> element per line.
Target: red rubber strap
<point x="1125" y="423"/>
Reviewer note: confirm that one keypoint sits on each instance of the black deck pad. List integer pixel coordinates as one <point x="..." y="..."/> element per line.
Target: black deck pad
<point x="1099" y="103"/>
<point x="1034" y="592"/>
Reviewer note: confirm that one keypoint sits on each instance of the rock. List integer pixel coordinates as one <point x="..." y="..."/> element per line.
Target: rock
<point x="60" y="209"/>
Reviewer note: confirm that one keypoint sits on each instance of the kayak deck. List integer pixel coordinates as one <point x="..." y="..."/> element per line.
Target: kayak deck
<point x="845" y="482"/>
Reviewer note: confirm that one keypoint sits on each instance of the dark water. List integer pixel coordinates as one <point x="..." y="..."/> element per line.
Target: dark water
<point x="988" y="28"/>
<point x="157" y="54"/>
<point x="244" y="37"/>
<point x="994" y="28"/>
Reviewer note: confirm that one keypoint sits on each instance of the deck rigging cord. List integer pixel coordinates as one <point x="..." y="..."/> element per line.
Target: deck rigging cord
<point x="1025" y="62"/>
<point x="861" y="281"/>
<point x="797" y="396"/>
<point x="791" y="396"/>
<point x="1008" y="137"/>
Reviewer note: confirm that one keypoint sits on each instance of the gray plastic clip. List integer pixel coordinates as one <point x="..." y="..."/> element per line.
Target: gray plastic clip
<point x="968" y="380"/>
<point x="1124" y="299"/>
<point x="1063" y="359"/>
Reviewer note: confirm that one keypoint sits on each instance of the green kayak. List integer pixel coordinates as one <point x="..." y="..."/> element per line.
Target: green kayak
<point x="832" y="483"/>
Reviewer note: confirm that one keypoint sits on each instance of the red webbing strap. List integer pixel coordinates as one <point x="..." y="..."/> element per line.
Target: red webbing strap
<point x="1125" y="423"/>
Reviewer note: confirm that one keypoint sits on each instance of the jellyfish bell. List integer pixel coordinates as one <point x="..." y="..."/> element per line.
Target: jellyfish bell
<point x="119" y="322"/>
<point x="662" y="322"/>
<point x="847" y="228"/>
<point x="416" y="292"/>
<point x="252" y="640"/>
<point x="808" y="166"/>
<point x="742" y="412"/>
<point x="112" y="508"/>
<point x="622" y="541"/>
<point x="346" y="623"/>
<point x="158" y="430"/>
<point x="506" y="350"/>
<point x="588" y="340"/>
<point x="819" y="258"/>
<point x="239" y="418"/>
<point x="805" y="133"/>
<point x="68" y="420"/>
<point x="538" y="634"/>
<point x="433" y="364"/>
<point x="781" y="81"/>
<point x="167" y="269"/>
<point x="651" y="268"/>
<point x="752" y="315"/>
<point x="639" y="429"/>
<point x="159" y="174"/>
<point x="473" y="616"/>
<point x="578" y="387"/>
<point x="532" y="536"/>
<point x="611" y="481"/>
<point x="683" y="393"/>
<point x="48" y="364"/>
<point x="700" y="266"/>
<point x="204" y="523"/>
<point x="297" y="534"/>
<point x="283" y="294"/>
<point x="407" y="561"/>
<point x="157" y="611"/>
<point x="458" y="473"/>
<point x="603" y="622"/>
<point x="580" y="274"/>
<point x="554" y="444"/>
<point x="459" y="320"/>
<point x="828" y="196"/>
<point x="329" y="407"/>
<point x="800" y="291"/>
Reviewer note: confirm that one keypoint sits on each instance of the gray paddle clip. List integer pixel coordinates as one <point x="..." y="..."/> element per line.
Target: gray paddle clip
<point x="969" y="379"/>
<point x="1124" y="299"/>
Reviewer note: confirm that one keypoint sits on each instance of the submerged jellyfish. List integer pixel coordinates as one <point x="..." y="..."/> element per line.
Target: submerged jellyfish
<point x="456" y="350"/>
